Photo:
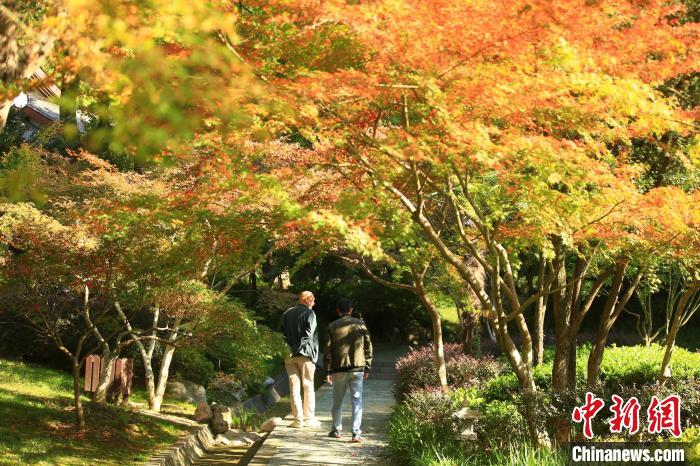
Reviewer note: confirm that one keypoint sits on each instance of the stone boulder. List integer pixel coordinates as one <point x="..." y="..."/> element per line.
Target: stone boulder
<point x="271" y="396"/>
<point x="270" y="424"/>
<point x="203" y="413"/>
<point x="184" y="390"/>
<point x="255" y="403"/>
<point x="220" y="421"/>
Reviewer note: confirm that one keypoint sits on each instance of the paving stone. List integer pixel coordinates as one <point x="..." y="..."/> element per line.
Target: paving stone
<point x="287" y="446"/>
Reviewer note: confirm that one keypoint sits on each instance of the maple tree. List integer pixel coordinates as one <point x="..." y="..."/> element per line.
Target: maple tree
<point x="149" y="76"/>
<point x="518" y="124"/>
<point x="161" y="247"/>
<point x="415" y="263"/>
<point x="501" y="133"/>
<point x="158" y="82"/>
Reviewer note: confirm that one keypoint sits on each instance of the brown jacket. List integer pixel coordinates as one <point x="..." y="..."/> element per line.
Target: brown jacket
<point x="348" y="346"/>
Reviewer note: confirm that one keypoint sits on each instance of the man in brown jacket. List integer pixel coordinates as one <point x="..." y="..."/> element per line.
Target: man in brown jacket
<point x="348" y="360"/>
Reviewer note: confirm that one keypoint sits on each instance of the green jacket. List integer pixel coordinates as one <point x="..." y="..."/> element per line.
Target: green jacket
<point x="348" y="346"/>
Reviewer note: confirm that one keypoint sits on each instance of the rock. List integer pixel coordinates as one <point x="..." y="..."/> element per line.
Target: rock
<point x="256" y="404"/>
<point x="219" y="426"/>
<point x="198" y="392"/>
<point x="268" y="382"/>
<point x="238" y="438"/>
<point x="252" y="436"/>
<point x="221" y="440"/>
<point x="270" y="396"/>
<point x="282" y="382"/>
<point x="134" y="428"/>
<point x="239" y="394"/>
<point x="222" y="411"/>
<point x="203" y="413"/>
<point x="270" y="424"/>
<point x="220" y="421"/>
<point x="176" y="390"/>
<point x="184" y="390"/>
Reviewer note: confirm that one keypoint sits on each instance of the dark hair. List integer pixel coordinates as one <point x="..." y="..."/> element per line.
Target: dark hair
<point x="344" y="305"/>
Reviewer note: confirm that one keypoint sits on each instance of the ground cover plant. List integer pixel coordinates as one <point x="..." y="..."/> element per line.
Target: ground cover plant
<point x="424" y="431"/>
<point x="37" y="423"/>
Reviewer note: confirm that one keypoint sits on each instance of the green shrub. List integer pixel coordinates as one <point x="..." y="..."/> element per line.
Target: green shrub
<point x="625" y="371"/>
<point x="242" y="348"/>
<point x="221" y="389"/>
<point x="688" y="391"/>
<point x="434" y="408"/>
<point x="626" y="365"/>
<point x="422" y="430"/>
<point x="691" y="436"/>
<point x="622" y="366"/>
<point x="192" y="364"/>
<point x="470" y="396"/>
<point x="500" y="424"/>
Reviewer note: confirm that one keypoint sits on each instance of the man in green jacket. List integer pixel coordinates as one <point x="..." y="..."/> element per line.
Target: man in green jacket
<point x="348" y="360"/>
<point x="298" y="324"/>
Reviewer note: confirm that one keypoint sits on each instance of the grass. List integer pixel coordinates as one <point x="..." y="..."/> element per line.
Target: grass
<point x="174" y="407"/>
<point x="447" y="309"/>
<point x="279" y="409"/>
<point x="38" y="423"/>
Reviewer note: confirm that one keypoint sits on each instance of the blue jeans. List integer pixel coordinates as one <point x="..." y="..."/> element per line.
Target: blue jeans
<point x="341" y="380"/>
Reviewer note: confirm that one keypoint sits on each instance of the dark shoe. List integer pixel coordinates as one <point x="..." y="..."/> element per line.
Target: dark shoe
<point x="334" y="434"/>
<point x="356" y="438"/>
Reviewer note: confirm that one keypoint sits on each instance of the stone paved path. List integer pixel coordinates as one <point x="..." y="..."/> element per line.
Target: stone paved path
<point x="287" y="446"/>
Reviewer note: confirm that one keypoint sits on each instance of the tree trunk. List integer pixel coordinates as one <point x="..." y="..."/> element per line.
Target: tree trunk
<point x="437" y="331"/>
<point x="539" y="331"/>
<point x="560" y="385"/>
<point x="612" y="309"/>
<point x="562" y="343"/>
<point x="525" y="379"/>
<point x="146" y="354"/>
<point x="469" y="323"/>
<point x="4" y="112"/>
<point x="77" y="392"/>
<point x="539" y="315"/>
<point x="108" y="361"/>
<point x="568" y="314"/>
<point x="571" y="369"/>
<point x="162" y="378"/>
<point x="673" y="331"/>
<point x="165" y="367"/>
<point x="76" y="365"/>
<point x="439" y="351"/>
<point x="150" y="381"/>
